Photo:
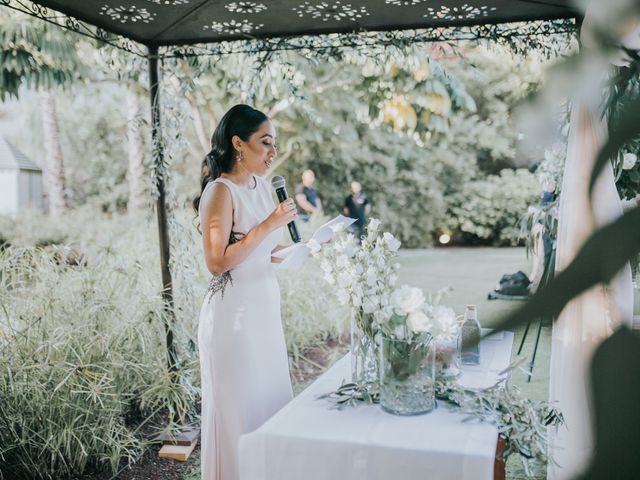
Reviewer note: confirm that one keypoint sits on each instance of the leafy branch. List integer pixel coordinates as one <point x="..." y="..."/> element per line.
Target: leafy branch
<point x="522" y="422"/>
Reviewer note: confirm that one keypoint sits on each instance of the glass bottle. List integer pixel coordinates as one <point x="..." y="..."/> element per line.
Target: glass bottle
<point x="470" y="337"/>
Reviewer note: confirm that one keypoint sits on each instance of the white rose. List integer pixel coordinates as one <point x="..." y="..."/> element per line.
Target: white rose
<point x="628" y="161"/>
<point x="329" y="278"/>
<point x="418" y="322"/>
<point x="374" y="223"/>
<point x="406" y="299"/>
<point x="446" y="322"/>
<point x="337" y="227"/>
<point x="392" y="242"/>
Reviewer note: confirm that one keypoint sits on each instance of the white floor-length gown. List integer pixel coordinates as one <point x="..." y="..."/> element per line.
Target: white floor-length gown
<point x="243" y="357"/>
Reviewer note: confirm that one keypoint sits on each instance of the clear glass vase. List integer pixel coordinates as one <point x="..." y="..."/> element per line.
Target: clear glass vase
<point x="364" y="352"/>
<point x="448" y="358"/>
<point x="407" y="376"/>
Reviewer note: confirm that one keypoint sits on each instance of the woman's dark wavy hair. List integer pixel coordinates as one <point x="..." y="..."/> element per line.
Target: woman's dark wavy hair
<point x="240" y="120"/>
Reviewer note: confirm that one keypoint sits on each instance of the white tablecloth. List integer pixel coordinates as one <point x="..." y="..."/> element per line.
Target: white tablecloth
<point x="309" y="440"/>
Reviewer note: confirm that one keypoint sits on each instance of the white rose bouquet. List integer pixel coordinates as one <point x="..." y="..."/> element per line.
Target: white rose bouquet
<point x="406" y="316"/>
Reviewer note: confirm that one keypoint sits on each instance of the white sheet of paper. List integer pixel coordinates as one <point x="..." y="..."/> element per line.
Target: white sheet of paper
<point x="325" y="232"/>
<point x="294" y="255"/>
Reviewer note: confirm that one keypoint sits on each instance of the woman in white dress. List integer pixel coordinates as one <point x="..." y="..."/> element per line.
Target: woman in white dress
<point x="243" y="358"/>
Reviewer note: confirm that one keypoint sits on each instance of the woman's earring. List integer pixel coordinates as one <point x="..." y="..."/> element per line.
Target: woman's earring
<point x="239" y="158"/>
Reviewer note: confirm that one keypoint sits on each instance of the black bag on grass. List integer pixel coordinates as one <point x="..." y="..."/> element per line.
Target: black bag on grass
<point x="516" y="284"/>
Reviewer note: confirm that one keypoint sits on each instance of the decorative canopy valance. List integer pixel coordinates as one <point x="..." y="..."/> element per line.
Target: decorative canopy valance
<point x="182" y="22"/>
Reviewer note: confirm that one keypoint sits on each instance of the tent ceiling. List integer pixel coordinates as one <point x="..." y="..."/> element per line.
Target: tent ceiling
<point x="181" y="22"/>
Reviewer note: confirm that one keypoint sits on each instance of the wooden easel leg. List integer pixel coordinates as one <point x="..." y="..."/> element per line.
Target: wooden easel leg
<point x="499" y="465"/>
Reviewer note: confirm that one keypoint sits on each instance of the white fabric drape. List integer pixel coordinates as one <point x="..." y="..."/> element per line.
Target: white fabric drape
<point x="592" y="316"/>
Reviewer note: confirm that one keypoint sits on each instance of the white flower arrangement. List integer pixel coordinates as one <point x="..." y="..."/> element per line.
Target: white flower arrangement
<point x="365" y="278"/>
<point x="364" y="274"/>
<point x="412" y="317"/>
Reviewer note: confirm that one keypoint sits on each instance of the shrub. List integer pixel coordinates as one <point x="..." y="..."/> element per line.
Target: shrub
<point x="82" y="347"/>
<point x="489" y="210"/>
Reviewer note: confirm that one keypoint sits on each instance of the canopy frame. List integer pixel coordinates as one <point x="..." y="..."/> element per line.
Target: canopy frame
<point x="65" y="14"/>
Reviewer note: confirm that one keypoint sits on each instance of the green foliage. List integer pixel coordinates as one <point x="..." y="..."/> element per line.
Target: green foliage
<point x="82" y="346"/>
<point x="489" y="210"/>
<point x="625" y="88"/>
<point x="498" y="80"/>
<point x="308" y="319"/>
<point x="35" y="53"/>
<point x="452" y="125"/>
<point x="93" y="123"/>
<point x="328" y="119"/>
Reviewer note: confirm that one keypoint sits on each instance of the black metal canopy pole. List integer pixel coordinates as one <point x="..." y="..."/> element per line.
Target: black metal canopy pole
<point x="161" y="207"/>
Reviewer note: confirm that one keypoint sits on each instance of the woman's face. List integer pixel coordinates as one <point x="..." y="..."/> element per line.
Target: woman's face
<point x="260" y="150"/>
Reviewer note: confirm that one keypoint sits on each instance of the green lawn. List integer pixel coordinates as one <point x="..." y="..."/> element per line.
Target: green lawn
<point x="472" y="273"/>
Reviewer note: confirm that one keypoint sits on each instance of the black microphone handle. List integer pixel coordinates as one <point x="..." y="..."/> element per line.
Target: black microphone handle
<point x="293" y="228"/>
<point x="293" y="231"/>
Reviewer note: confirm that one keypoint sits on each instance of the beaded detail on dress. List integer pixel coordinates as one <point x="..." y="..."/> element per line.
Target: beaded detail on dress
<point x="219" y="283"/>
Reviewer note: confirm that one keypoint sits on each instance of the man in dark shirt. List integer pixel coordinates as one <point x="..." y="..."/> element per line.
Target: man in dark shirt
<point x="307" y="197"/>
<point x="357" y="206"/>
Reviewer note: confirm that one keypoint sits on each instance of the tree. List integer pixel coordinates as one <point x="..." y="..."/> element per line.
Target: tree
<point x="41" y="56"/>
<point x="54" y="179"/>
<point x="135" y="172"/>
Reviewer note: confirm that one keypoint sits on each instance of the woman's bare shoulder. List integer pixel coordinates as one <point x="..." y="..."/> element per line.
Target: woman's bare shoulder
<point x="215" y="194"/>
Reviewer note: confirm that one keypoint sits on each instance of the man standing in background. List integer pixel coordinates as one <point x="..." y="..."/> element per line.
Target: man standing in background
<point x="307" y="197"/>
<point x="357" y="206"/>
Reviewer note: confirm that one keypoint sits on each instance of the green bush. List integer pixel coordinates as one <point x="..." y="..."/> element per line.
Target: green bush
<point x="82" y="346"/>
<point x="489" y="210"/>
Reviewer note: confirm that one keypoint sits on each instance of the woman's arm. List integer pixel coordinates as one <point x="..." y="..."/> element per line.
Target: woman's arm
<point x="217" y="221"/>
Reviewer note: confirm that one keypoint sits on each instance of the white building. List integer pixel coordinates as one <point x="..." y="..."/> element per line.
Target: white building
<point x="20" y="181"/>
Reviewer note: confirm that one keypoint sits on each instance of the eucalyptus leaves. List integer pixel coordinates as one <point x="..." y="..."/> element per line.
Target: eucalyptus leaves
<point x="522" y="422"/>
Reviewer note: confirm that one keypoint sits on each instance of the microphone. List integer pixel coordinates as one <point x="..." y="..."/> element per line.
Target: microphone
<point x="278" y="184"/>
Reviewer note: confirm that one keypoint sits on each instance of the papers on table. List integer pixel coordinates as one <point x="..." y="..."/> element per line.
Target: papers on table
<point x="294" y="256"/>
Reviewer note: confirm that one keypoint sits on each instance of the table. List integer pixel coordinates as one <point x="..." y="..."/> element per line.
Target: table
<point x="307" y="439"/>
